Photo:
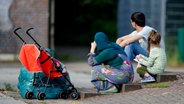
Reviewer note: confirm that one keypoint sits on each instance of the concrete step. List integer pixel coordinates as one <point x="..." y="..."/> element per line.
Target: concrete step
<point x="130" y="87"/>
<point x="166" y="76"/>
<point x="124" y="88"/>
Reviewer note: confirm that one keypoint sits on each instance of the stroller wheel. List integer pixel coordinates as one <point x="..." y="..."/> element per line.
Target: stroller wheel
<point x="41" y="96"/>
<point x="63" y="95"/>
<point x="74" y="95"/>
<point x="29" y="95"/>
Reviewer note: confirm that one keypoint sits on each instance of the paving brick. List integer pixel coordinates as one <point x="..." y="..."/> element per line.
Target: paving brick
<point x="89" y="92"/>
<point x="84" y="95"/>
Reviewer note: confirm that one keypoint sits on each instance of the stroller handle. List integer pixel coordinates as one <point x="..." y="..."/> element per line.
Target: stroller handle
<point x="27" y="32"/>
<point x="15" y="31"/>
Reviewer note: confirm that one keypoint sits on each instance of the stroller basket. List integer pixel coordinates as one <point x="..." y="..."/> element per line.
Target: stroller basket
<point x="39" y="61"/>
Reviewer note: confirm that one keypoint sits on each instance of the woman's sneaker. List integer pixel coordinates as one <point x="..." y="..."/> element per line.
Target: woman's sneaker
<point x="110" y="90"/>
<point x="148" y="79"/>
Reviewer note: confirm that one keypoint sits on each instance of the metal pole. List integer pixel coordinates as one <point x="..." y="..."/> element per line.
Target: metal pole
<point x="52" y="22"/>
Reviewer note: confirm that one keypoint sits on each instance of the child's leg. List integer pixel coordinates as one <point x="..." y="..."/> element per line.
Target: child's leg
<point x="147" y="74"/>
<point x="142" y="71"/>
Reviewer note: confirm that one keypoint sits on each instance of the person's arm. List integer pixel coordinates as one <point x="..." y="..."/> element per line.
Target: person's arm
<point x="91" y="59"/>
<point x="91" y="55"/>
<point x="120" y="39"/>
<point x="93" y="47"/>
<point x="101" y="57"/>
<point x="132" y="38"/>
<point x="148" y="61"/>
<point x="105" y="56"/>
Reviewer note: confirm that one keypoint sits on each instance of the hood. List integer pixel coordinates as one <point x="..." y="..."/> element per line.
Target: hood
<point x="102" y="41"/>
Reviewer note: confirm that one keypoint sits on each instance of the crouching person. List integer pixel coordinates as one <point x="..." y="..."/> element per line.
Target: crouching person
<point x="110" y="65"/>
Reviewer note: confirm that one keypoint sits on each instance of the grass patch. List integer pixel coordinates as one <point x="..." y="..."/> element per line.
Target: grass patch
<point x="42" y="102"/>
<point x="2" y="89"/>
<point x="8" y="87"/>
<point x="158" y="85"/>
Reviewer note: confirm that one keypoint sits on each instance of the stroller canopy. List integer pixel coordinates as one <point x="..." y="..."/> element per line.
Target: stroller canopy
<point x="28" y="56"/>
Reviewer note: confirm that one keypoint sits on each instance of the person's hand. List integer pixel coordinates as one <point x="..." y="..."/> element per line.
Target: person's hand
<point x="123" y="44"/>
<point x="93" y="47"/>
<point x="138" y="56"/>
<point x="118" y="41"/>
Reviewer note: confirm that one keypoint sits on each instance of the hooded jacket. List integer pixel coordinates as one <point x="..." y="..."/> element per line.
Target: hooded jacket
<point x="107" y="52"/>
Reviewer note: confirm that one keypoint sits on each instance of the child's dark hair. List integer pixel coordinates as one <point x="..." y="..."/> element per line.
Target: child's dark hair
<point x="138" y="18"/>
<point x="153" y="38"/>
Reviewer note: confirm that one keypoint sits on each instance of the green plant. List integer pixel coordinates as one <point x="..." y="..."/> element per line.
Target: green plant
<point x="172" y="52"/>
<point x="158" y="85"/>
<point x="2" y="89"/>
<point x="9" y="87"/>
<point x="42" y="102"/>
<point x="172" y="58"/>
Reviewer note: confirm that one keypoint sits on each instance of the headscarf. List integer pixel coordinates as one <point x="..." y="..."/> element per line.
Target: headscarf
<point x="103" y="42"/>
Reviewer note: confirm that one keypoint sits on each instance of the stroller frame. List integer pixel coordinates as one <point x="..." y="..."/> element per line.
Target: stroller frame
<point x="71" y="90"/>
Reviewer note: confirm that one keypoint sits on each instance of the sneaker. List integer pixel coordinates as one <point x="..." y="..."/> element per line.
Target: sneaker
<point x="148" y="79"/>
<point x="111" y="90"/>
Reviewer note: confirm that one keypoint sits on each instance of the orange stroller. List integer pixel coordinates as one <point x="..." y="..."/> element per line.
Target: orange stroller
<point x="38" y="60"/>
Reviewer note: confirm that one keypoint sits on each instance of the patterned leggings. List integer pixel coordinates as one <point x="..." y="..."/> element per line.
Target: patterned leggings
<point x="104" y="77"/>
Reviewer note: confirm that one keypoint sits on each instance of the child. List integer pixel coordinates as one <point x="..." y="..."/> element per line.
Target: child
<point x="148" y="67"/>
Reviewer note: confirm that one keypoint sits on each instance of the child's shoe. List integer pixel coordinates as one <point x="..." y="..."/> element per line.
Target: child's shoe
<point x="148" y="79"/>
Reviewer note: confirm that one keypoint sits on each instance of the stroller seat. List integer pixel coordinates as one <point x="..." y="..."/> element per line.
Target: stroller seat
<point x="38" y="61"/>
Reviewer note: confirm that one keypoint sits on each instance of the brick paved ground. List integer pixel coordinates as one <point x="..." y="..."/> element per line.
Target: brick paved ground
<point x="174" y="94"/>
<point x="171" y="95"/>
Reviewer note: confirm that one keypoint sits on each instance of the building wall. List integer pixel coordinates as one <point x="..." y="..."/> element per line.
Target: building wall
<point x="25" y="14"/>
<point x="151" y="8"/>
